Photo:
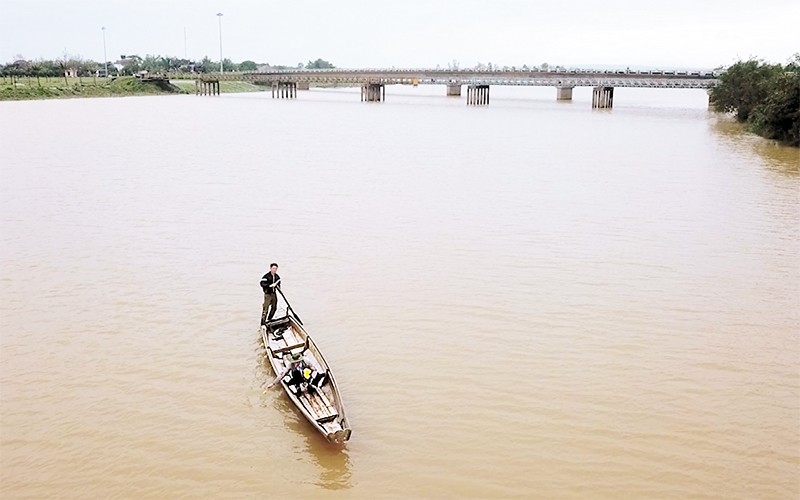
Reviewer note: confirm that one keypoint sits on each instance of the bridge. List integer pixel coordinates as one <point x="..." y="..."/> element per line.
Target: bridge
<point x="373" y="82"/>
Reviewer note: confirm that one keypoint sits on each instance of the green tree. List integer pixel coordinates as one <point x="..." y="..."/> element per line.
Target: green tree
<point x="207" y="66"/>
<point x="744" y="86"/>
<point x="778" y="116"/>
<point x="153" y="64"/>
<point x="48" y="68"/>
<point x="248" y="66"/>
<point x="319" y="64"/>
<point x="766" y="97"/>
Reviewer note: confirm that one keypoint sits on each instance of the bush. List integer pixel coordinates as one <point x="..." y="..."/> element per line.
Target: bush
<point x="764" y="96"/>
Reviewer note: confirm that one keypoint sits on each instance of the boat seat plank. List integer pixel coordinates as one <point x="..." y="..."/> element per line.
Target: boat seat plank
<point x="281" y="350"/>
<point x="326" y="402"/>
<point x="322" y="413"/>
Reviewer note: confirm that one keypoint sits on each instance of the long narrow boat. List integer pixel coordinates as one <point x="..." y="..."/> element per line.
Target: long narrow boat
<point x="286" y="341"/>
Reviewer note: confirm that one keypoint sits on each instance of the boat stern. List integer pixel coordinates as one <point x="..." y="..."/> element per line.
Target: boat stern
<point x="339" y="437"/>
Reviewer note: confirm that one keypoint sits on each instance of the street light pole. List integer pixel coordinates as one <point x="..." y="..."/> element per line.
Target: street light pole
<point x="105" y="57"/>
<point x="219" y="15"/>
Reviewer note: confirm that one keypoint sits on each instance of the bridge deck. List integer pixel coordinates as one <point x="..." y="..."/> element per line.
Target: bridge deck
<point x="583" y="78"/>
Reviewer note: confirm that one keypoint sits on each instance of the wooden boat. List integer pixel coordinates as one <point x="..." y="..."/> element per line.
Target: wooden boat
<point x="285" y="341"/>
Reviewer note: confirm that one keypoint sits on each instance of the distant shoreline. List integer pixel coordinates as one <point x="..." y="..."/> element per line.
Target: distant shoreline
<point x="34" y="89"/>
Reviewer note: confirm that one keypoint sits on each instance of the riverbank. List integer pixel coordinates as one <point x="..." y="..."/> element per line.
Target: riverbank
<point x="32" y="88"/>
<point x="225" y="87"/>
<point x="57" y="88"/>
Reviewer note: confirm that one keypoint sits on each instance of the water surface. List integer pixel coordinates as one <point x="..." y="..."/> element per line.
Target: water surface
<point x="532" y="299"/>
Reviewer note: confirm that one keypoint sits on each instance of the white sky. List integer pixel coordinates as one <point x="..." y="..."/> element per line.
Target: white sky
<point x="409" y="33"/>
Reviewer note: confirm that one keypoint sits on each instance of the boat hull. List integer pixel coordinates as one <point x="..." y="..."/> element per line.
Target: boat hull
<point x="321" y="403"/>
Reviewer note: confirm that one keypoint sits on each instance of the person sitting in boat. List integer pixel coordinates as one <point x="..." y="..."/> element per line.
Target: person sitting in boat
<point x="298" y="374"/>
<point x="307" y="378"/>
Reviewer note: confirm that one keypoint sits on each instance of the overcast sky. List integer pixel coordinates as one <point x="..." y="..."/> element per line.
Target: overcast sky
<point x="409" y="33"/>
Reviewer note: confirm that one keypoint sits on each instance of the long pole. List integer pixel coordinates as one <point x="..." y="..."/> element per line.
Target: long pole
<point x="105" y="57"/>
<point x="289" y="306"/>
<point x="219" y="15"/>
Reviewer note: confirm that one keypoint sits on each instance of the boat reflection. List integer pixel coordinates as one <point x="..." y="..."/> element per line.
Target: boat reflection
<point x="333" y="461"/>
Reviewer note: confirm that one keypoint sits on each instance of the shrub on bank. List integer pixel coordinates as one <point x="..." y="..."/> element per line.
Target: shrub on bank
<point x="766" y="97"/>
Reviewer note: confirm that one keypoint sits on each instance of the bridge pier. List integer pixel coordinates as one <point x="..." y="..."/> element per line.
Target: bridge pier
<point x="477" y="95"/>
<point x="284" y="90"/>
<point x="454" y="90"/>
<point x="373" y="92"/>
<point x="564" y="93"/>
<point x="603" y="97"/>
<point x="202" y="87"/>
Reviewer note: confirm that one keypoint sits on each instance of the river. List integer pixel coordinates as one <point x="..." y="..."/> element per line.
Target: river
<point x="531" y="299"/>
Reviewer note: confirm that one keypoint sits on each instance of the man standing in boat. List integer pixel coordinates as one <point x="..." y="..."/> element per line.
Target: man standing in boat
<point x="269" y="283"/>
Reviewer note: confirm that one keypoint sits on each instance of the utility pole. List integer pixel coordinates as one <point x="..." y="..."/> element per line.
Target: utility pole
<point x="219" y="15"/>
<point x="105" y="57"/>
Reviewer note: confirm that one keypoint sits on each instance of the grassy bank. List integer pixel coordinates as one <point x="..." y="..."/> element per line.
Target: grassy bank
<point x="54" y="88"/>
<point x="225" y="87"/>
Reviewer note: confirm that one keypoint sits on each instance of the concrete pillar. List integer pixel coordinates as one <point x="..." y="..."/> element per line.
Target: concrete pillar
<point x="288" y="90"/>
<point x="478" y="95"/>
<point x="603" y="97"/>
<point x="373" y="92"/>
<point x="564" y="93"/>
<point x="454" y="90"/>
<point x="284" y="90"/>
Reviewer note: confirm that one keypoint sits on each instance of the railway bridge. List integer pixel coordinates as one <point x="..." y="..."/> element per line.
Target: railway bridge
<point x="373" y="82"/>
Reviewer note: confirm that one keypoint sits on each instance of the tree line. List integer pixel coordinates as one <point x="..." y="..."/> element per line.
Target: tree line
<point x="765" y="97"/>
<point x="129" y="65"/>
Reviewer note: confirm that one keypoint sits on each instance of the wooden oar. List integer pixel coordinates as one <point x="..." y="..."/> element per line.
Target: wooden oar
<point x="289" y="306"/>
